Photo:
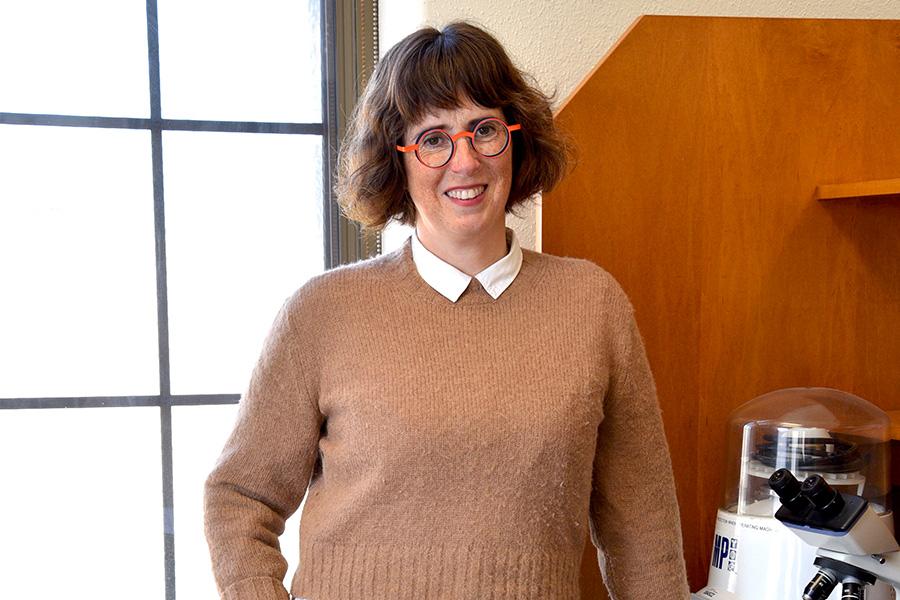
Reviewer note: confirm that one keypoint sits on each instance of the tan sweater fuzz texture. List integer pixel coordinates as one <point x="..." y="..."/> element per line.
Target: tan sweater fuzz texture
<point x="450" y="451"/>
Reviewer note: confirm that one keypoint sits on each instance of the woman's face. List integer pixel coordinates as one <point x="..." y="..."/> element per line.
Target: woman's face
<point x="463" y="202"/>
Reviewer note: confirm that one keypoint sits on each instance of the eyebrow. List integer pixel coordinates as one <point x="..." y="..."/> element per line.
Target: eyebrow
<point x="469" y="125"/>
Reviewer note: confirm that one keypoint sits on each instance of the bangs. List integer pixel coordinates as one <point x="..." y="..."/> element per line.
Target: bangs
<point x="447" y="70"/>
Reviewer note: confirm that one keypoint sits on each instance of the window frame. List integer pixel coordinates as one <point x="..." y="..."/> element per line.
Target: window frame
<point x="349" y="50"/>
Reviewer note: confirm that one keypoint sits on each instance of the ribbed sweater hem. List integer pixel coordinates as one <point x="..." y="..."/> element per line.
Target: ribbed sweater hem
<point x="256" y="588"/>
<point x="436" y="571"/>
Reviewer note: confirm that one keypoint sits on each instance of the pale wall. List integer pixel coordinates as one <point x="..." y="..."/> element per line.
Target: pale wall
<point x="560" y="42"/>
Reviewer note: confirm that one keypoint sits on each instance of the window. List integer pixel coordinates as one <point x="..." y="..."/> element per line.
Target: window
<point x="150" y="228"/>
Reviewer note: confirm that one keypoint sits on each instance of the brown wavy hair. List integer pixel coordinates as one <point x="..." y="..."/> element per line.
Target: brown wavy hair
<point x="440" y="69"/>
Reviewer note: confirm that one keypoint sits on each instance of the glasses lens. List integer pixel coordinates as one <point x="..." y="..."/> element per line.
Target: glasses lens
<point x="491" y="137"/>
<point x="435" y="148"/>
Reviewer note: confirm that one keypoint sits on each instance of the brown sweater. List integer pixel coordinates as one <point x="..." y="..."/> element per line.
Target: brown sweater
<point x="451" y="451"/>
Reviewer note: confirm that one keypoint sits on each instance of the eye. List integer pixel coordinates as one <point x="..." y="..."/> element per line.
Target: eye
<point x="433" y="140"/>
<point x="487" y="130"/>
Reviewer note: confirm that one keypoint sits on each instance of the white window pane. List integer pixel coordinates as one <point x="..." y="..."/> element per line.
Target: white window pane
<point x="224" y="61"/>
<point x="198" y="435"/>
<point x="77" y="263"/>
<point x="290" y="544"/>
<point x="81" y="504"/>
<point x="243" y="231"/>
<point x="74" y="58"/>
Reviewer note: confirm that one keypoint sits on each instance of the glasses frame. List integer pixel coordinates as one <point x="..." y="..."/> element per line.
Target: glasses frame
<point x="459" y="135"/>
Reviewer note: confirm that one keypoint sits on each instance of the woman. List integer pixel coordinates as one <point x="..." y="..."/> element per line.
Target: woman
<point x="464" y="413"/>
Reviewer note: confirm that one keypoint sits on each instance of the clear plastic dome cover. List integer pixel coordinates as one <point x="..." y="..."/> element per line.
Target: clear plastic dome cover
<point x="809" y="431"/>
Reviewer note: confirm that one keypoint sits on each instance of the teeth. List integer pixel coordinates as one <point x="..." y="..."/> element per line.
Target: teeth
<point x="466" y="194"/>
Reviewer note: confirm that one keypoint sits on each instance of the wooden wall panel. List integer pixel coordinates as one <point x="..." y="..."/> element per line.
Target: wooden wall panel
<point x="701" y="142"/>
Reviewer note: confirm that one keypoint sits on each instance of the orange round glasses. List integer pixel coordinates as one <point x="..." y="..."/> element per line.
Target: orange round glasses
<point x="489" y="137"/>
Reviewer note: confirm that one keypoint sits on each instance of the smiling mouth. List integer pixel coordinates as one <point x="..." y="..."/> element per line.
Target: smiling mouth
<point x="466" y="193"/>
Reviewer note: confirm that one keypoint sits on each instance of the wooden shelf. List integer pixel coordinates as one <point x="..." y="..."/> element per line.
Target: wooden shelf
<point x="860" y="189"/>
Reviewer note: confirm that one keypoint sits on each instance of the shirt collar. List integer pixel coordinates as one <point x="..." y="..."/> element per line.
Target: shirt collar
<point x="450" y="282"/>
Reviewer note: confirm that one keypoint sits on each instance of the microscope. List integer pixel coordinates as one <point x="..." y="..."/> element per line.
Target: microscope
<point x="855" y="545"/>
<point x="840" y="444"/>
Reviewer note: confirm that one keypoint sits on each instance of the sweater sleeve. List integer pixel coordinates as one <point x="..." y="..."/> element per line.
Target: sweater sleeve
<point x="262" y="474"/>
<point x="634" y="517"/>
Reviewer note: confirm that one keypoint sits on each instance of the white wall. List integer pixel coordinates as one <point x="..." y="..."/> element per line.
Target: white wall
<point x="559" y="42"/>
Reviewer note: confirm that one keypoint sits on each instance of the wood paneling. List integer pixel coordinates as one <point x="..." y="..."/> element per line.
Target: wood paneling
<point x="701" y="142"/>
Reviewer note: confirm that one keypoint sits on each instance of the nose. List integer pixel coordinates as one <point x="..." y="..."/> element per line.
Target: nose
<point x="464" y="158"/>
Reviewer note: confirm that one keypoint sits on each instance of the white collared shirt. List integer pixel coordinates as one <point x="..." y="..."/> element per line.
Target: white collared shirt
<point x="450" y="282"/>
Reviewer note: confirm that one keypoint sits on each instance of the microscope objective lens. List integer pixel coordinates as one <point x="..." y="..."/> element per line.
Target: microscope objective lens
<point x="820" y="587"/>
<point x="853" y="591"/>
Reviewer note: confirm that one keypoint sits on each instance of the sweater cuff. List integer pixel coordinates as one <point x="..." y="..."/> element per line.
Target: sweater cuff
<point x="256" y="588"/>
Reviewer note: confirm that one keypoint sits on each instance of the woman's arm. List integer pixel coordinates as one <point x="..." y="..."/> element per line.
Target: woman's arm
<point x="634" y="511"/>
<point x="263" y="472"/>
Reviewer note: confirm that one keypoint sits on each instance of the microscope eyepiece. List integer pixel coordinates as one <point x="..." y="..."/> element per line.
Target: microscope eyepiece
<point x="802" y="498"/>
<point x="789" y="491"/>
<point x="784" y="483"/>
<point x="825" y="498"/>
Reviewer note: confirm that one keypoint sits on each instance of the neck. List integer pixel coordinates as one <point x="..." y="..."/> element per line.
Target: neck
<point x="470" y="258"/>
